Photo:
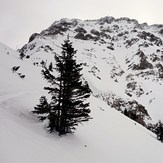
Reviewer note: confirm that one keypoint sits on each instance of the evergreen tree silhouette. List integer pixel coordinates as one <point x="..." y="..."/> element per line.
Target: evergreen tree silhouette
<point x="42" y="109"/>
<point x="159" y="131"/>
<point x="68" y="106"/>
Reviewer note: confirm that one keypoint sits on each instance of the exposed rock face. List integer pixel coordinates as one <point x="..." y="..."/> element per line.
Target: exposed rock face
<point x="59" y="27"/>
<point x="33" y="36"/>
<point x="81" y="36"/>
<point x="143" y="64"/>
<point x="135" y="110"/>
<point x="80" y="30"/>
<point x="150" y="37"/>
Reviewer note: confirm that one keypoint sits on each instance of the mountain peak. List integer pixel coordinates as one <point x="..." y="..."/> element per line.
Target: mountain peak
<point x="131" y="52"/>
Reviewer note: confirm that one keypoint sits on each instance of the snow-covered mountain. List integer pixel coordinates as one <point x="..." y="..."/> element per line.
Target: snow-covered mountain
<point x="122" y="62"/>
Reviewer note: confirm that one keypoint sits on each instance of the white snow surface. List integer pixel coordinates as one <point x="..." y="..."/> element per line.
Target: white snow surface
<point x="108" y="137"/>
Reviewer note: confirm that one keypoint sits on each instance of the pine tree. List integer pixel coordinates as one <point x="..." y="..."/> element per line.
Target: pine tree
<point x="68" y="92"/>
<point x="159" y="131"/>
<point x="42" y="109"/>
<point x="22" y="55"/>
<point x="125" y="112"/>
<point x="75" y="110"/>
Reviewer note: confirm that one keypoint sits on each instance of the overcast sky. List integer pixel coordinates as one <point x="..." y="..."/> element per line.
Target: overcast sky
<point x="20" y="18"/>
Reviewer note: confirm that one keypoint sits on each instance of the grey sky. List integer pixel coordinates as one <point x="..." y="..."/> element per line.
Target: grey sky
<point x="20" y="18"/>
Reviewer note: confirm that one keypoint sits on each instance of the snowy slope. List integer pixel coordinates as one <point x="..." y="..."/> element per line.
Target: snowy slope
<point x="108" y="137"/>
<point x="109" y="67"/>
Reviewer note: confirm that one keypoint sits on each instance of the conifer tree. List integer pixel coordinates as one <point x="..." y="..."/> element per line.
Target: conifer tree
<point x="159" y="131"/>
<point x="42" y="109"/>
<point x="68" y="92"/>
<point x="22" y="55"/>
